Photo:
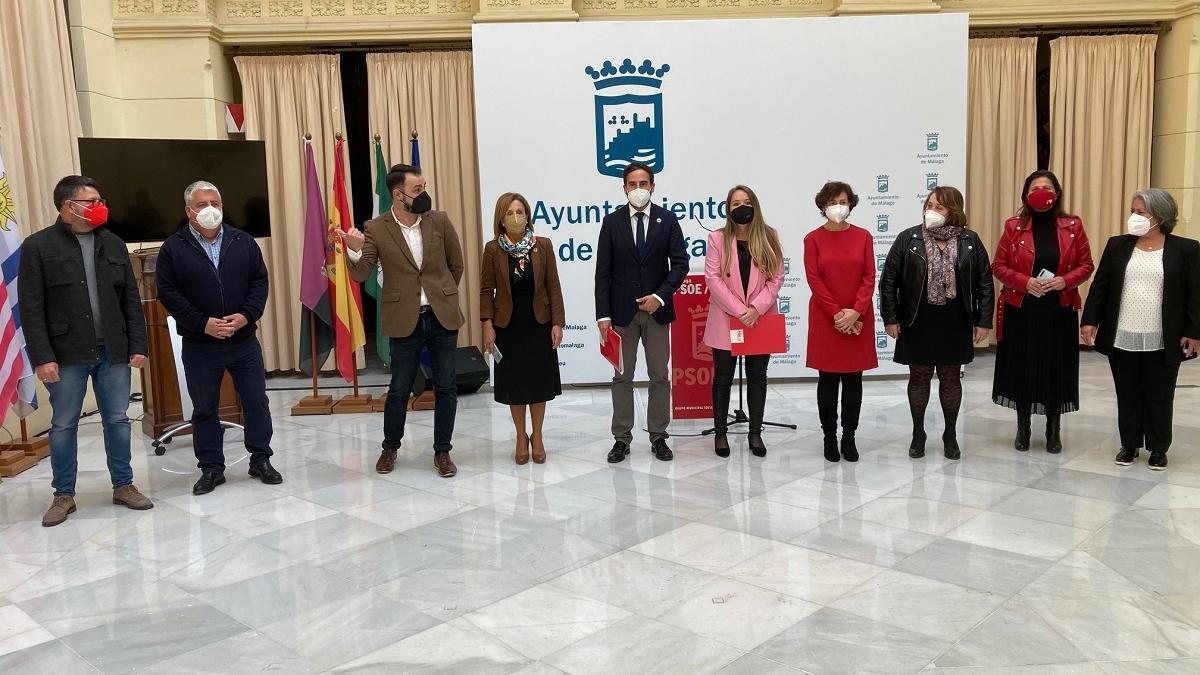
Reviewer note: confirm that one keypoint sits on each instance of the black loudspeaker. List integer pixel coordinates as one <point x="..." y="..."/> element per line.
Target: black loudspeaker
<point x="470" y="369"/>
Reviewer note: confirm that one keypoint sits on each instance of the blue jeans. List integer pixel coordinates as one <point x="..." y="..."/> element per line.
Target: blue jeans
<point x="110" y="381"/>
<point x="406" y="358"/>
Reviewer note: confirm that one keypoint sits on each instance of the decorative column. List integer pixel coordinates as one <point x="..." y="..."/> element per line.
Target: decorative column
<point x="1175" y="155"/>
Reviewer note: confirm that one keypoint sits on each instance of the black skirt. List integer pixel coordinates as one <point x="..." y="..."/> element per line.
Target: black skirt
<point x="941" y="335"/>
<point x="528" y="368"/>
<point x="1037" y="362"/>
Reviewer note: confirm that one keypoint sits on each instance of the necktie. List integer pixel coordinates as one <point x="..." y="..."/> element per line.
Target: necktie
<point x="641" y="232"/>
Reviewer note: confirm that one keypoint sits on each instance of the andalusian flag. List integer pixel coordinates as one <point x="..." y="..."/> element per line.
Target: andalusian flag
<point x="374" y="286"/>
<point x="347" y="302"/>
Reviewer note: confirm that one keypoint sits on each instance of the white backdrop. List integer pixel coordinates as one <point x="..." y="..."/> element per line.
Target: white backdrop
<point x="781" y="105"/>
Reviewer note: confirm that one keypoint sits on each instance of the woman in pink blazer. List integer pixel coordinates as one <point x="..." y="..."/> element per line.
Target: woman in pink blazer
<point x="744" y="270"/>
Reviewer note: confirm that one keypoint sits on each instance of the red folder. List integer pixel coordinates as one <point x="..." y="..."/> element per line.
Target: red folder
<point x="610" y="349"/>
<point x="768" y="336"/>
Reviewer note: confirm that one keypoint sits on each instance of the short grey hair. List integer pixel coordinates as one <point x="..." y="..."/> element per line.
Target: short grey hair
<point x="198" y="185"/>
<point x="1161" y="205"/>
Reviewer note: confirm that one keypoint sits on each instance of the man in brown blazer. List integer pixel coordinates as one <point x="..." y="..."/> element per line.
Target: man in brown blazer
<point x="422" y="264"/>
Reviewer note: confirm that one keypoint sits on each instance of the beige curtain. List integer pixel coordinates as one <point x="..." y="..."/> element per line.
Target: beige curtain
<point x="286" y="97"/>
<point x="39" y="110"/>
<point x="1101" y="117"/>
<point x="39" y="130"/>
<point x="1001" y="130"/>
<point x="432" y="93"/>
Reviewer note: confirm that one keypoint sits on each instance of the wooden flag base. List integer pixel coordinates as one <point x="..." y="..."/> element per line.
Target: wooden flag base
<point x="314" y="405"/>
<point x="351" y="404"/>
<point x="34" y="447"/>
<point x="379" y="403"/>
<point x="13" y="462"/>
<point x="425" y="401"/>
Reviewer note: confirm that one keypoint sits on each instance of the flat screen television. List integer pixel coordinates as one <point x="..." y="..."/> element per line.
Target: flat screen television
<point x="143" y="181"/>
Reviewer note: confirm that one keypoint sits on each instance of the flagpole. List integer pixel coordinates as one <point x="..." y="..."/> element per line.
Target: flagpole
<point x="315" y="404"/>
<point x="355" y="403"/>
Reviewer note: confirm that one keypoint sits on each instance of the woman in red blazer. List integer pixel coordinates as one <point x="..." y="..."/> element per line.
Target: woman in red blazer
<point x="1042" y="259"/>
<point x="744" y="271"/>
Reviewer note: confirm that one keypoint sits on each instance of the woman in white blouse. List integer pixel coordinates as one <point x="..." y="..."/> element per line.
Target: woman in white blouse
<point x="1143" y="312"/>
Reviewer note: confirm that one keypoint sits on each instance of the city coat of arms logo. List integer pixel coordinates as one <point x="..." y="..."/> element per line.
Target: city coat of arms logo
<point x="628" y="115"/>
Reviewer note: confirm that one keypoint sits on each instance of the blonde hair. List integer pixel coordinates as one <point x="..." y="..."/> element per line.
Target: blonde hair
<point x="502" y="205"/>
<point x="761" y="238"/>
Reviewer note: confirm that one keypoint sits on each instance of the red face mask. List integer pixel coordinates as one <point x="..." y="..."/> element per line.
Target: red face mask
<point x="1041" y="199"/>
<point x="95" y="214"/>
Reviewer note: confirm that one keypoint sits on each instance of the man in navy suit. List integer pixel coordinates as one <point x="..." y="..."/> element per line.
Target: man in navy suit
<point x="641" y="261"/>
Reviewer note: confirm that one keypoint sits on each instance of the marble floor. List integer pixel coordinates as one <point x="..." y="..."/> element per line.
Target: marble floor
<point x="999" y="563"/>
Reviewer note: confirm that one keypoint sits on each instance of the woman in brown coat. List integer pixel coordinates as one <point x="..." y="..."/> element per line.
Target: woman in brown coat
<point x="521" y="305"/>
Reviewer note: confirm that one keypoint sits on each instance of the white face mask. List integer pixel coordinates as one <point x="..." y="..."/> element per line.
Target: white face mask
<point x="209" y="217"/>
<point x="934" y="219"/>
<point x="1138" y="225"/>
<point x="837" y="213"/>
<point x="639" y="198"/>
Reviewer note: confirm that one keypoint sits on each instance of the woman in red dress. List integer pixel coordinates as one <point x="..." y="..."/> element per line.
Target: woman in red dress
<point x="839" y="260"/>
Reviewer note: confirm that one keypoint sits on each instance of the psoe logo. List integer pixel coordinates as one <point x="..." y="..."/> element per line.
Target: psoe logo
<point x="628" y="115"/>
<point x="881" y="222"/>
<point x="931" y="142"/>
<point x="931" y="181"/>
<point x="700" y="350"/>
<point x="785" y="304"/>
<point x="787" y="266"/>
<point x="882" y="184"/>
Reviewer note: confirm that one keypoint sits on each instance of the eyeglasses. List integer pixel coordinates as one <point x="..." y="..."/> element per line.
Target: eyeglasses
<point x="88" y="202"/>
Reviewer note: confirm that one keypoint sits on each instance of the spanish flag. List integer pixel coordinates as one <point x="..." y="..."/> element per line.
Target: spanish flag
<point x="347" y="300"/>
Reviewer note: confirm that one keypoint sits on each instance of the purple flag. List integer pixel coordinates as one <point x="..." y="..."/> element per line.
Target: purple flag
<point x="314" y="282"/>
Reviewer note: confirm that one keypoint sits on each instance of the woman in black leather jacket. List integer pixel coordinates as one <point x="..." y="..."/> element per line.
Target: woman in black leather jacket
<point x="936" y="300"/>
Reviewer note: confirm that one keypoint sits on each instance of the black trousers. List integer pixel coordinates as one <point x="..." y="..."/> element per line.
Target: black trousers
<point x="724" y="363"/>
<point x="204" y="366"/>
<point x="827" y="400"/>
<point x="1145" y="385"/>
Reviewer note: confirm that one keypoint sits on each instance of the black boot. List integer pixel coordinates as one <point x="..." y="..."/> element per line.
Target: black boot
<point x="754" y="440"/>
<point x="720" y="392"/>
<point x="849" y="448"/>
<point x="851" y="407"/>
<point x="1021" y="442"/>
<point x="1053" y="434"/>
<point x="950" y="445"/>
<point x="831" y="447"/>
<point x="721" y="444"/>
<point x="916" y="449"/>
<point x="827" y="411"/>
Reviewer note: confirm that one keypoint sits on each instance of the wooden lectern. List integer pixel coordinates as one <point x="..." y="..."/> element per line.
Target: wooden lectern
<point x="160" y="382"/>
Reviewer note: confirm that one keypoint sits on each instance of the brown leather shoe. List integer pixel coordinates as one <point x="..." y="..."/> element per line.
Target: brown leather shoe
<point x="129" y="497"/>
<point x="387" y="461"/>
<point x="445" y="467"/>
<point x="539" y="450"/>
<point x="63" y="506"/>
<point x="522" y="452"/>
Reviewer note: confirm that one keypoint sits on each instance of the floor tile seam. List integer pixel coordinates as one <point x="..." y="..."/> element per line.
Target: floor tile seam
<point x="197" y="601"/>
<point x="1178" y="613"/>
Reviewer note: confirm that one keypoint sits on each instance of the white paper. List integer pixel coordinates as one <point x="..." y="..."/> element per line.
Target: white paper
<point x="737" y="336"/>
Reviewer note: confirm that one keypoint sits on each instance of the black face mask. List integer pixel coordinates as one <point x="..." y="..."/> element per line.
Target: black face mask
<point x="742" y="214"/>
<point x="420" y="204"/>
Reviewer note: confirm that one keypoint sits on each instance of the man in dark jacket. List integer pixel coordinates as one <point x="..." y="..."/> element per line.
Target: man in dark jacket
<point x="82" y="317"/>
<point x="213" y="281"/>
